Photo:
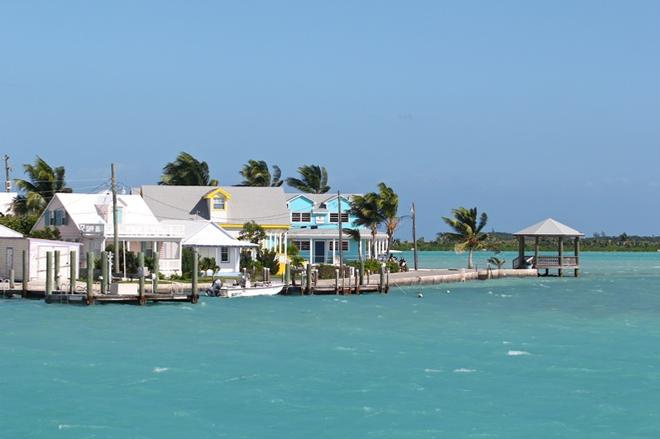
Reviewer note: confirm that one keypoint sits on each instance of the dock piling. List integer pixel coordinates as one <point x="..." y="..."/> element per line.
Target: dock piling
<point x="195" y="273"/>
<point x="141" y="278"/>
<point x="337" y="281"/>
<point x="73" y="274"/>
<point x="381" y="280"/>
<point x="308" y="279"/>
<point x="26" y="273"/>
<point x="57" y="270"/>
<point x="154" y="275"/>
<point x="90" y="278"/>
<point x="104" y="272"/>
<point x="12" y="275"/>
<point x="49" y="273"/>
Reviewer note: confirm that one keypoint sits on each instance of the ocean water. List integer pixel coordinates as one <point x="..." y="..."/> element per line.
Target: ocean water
<point x="513" y="358"/>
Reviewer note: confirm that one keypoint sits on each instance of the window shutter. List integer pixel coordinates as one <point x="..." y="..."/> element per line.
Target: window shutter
<point x="58" y="217"/>
<point x="47" y="218"/>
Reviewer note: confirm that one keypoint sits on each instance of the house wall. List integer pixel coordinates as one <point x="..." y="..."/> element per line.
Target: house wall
<point x="68" y="232"/>
<point x="15" y="247"/>
<point x="353" y="252"/>
<point x="319" y="220"/>
<point x="38" y="249"/>
<point x="232" y="266"/>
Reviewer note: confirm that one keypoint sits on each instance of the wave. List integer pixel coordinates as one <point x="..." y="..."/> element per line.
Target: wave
<point x="464" y="370"/>
<point x="432" y="370"/>
<point x="517" y="353"/>
<point x="160" y="369"/>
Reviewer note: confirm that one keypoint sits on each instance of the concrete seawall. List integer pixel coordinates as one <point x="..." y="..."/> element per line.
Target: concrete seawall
<point x="432" y="277"/>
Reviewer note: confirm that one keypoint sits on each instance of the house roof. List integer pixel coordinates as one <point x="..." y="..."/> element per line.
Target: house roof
<point x="6" y="232"/>
<point x="317" y="199"/>
<point x="6" y="199"/>
<point x="207" y="234"/>
<point x="88" y="208"/>
<point x="549" y="227"/>
<point x="264" y="205"/>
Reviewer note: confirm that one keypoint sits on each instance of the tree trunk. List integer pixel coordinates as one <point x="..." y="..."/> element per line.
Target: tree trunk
<point x="373" y="243"/>
<point x="470" y="265"/>
<point x="389" y="245"/>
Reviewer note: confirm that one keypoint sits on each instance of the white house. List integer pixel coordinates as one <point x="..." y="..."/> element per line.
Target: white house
<point x="212" y="241"/>
<point x="88" y="219"/>
<point x="12" y="245"/>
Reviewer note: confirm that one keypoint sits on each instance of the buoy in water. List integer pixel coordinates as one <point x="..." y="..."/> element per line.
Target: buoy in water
<point x="420" y="296"/>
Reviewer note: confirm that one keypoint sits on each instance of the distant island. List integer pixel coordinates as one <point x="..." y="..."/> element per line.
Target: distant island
<point x="499" y="241"/>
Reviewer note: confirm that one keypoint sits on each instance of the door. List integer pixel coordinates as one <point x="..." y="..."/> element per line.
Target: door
<point x="319" y="252"/>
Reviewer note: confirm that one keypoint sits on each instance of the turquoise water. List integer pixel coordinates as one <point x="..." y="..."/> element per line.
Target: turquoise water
<point x="514" y="358"/>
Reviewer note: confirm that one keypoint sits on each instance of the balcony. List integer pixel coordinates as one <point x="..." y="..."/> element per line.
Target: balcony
<point x="134" y="231"/>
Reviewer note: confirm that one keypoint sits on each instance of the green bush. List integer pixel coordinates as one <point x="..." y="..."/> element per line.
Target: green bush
<point x="326" y="271"/>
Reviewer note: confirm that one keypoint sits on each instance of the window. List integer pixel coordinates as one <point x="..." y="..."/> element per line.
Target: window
<point x="219" y="203"/>
<point x="335" y="215"/>
<point x="56" y="217"/>
<point x="302" y="245"/>
<point x="224" y="254"/>
<point x="169" y="250"/>
<point x="120" y="214"/>
<point x="320" y="219"/>
<point x="344" y="245"/>
<point x="301" y="217"/>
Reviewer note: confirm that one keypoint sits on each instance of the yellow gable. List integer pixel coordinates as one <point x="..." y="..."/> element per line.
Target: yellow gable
<point x="219" y="191"/>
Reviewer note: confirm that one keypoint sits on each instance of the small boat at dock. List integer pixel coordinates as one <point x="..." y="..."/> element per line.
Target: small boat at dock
<point x="258" y="289"/>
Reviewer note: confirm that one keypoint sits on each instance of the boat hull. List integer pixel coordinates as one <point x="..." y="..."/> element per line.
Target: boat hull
<point x="268" y="290"/>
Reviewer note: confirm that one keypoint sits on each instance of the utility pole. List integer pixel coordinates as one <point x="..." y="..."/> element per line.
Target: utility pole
<point x="414" y="231"/>
<point x="341" y="237"/>
<point x="7" y="171"/>
<point x="115" y="220"/>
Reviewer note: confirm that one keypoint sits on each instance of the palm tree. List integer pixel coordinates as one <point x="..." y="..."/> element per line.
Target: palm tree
<point x="498" y="262"/>
<point x="186" y="170"/>
<point x="389" y="206"/>
<point x="368" y="213"/>
<point x="357" y="237"/>
<point x="42" y="184"/>
<point x="256" y="173"/>
<point x="314" y="180"/>
<point x="467" y="229"/>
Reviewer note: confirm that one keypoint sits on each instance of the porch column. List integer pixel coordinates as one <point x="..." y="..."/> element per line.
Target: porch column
<point x="577" y="256"/>
<point x="561" y="256"/>
<point x="286" y="246"/>
<point x="311" y="251"/>
<point x="360" y="249"/>
<point x="334" y="250"/>
<point x="536" y="251"/>
<point x="521" y="252"/>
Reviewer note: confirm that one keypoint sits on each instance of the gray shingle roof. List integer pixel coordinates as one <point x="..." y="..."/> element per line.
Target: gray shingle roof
<point x="264" y="205"/>
<point x="548" y="227"/>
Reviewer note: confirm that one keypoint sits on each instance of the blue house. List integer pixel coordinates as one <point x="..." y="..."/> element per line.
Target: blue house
<point x="315" y="229"/>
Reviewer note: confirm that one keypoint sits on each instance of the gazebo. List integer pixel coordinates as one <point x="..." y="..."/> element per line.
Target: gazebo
<point x="549" y="228"/>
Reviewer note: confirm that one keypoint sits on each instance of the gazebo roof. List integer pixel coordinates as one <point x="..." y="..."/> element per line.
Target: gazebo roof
<point x="549" y="227"/>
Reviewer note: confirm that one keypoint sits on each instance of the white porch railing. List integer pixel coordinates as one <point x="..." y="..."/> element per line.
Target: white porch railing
<point x="134" y="231"/>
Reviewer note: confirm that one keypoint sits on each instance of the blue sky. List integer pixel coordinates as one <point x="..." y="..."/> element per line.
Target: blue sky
<point x="524" y="109"/>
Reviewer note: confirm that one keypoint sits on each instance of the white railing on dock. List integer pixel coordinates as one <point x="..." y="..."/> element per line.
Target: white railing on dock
<point x="548" y="262"/>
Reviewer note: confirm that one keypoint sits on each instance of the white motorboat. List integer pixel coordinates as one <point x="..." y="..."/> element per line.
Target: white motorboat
<point x="258" y="289"/>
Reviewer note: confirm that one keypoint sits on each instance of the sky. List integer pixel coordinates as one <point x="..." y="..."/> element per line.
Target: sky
<point x="526" y="110"/>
